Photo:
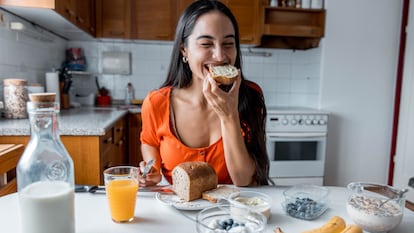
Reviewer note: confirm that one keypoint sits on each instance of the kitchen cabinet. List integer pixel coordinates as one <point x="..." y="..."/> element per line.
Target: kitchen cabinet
<point x="78" y="12"/>
<point x="91" y="154"/>
<point x="248" y="14"/>
<point x="155" y="19"/>
<point x="114" y="19"/>
<point x="292" y="28"/>
<point x="134" y="139"/>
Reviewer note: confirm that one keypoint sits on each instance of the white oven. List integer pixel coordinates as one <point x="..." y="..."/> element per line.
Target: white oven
<point x="296" y="145"/>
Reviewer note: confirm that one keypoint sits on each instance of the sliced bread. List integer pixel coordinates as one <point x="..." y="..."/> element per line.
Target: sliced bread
<point x="221" y="192"/>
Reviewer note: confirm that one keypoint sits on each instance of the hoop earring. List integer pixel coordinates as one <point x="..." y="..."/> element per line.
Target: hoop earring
<point x="185" y="59"/>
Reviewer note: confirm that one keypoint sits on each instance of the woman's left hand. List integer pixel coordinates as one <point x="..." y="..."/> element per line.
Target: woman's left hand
<point x="225" y="104"/>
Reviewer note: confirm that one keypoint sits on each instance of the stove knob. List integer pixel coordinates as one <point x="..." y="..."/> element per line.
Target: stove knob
<point x="322" y="122"/>
<point x="314" y="122"/>
<point x="308" y="122"/>
<point x="285" y="122"/>
<point x="293" y="122"/>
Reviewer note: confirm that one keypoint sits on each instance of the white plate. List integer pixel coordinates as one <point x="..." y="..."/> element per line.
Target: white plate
<point x="174" y="200"/>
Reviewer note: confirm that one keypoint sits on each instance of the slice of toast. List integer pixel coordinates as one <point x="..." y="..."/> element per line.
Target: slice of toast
<point x="218" y="193"/>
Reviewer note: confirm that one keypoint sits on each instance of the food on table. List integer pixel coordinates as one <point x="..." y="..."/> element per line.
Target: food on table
<point x="230" y="225"/>
<point x="218" y="193"/>
<point x="352" y="229"/>
<point x="372" y="214"/>
<point x="304" y="208"/>
<point x="224" y="74"/>
<point x="335" y="225"/>
<point x="191" y="179"/>
<point x="256" y="201"/>
<point x="305" y="201"/>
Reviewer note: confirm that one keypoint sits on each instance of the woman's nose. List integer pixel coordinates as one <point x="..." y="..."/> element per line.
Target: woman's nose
<point x="218" y="53"/>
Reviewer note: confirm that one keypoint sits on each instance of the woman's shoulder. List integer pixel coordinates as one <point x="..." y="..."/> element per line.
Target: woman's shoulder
<point x="157" y="99"/>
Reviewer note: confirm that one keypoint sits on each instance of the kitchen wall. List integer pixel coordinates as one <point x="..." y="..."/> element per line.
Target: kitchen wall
<point x="288" y="78"/>
<point x="27" y="55"/>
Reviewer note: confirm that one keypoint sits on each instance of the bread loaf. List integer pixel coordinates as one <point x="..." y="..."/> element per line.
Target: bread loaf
<point x="225" y="74"/>
<point x="191" y="179"/>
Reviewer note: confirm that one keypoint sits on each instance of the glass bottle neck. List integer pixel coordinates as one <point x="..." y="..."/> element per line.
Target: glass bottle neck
<point x="43" y="120"/>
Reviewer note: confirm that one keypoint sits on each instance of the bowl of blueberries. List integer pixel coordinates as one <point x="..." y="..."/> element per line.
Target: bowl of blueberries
<point x="305" y="201"/>
<point x="225" y="218"/>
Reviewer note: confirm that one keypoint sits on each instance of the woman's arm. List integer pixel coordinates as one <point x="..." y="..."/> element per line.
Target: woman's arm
<point x="240" y="165"/>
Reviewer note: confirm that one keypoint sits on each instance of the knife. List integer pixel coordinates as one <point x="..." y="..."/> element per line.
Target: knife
<point x="101" y="189"/>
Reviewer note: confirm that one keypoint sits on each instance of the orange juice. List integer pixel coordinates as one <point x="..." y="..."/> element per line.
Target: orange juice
<point x="122" y="195"/>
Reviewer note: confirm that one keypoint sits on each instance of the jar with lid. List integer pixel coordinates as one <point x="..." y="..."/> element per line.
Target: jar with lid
<point x="15" y="98"/>
<point x="45" y="173"/>
<point x="129" y="94"/>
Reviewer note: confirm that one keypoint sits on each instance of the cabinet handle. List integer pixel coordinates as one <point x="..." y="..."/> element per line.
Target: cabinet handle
<point x="108" y="140"/>
<point x="80" y="20"/>
<point x="119" y="129"/>
<point x="70" y="12"/>
<point x="120" y="142"/>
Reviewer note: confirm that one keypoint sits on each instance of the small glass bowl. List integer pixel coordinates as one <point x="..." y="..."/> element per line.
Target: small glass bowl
<point x="256" y="201"/>
<point x="305" y="201"/>
<point x="375" y="207"/>
<point x="229" y="218"/>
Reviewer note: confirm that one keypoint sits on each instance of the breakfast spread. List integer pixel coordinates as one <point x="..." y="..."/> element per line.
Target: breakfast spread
<point x="230" y="225"/>
<point x="224" y="74"/>
<point x="218" y="193"/>
<point x="255" y="203"/>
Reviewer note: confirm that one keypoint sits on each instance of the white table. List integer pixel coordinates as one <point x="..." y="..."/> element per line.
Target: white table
<point x="92" y="214"/>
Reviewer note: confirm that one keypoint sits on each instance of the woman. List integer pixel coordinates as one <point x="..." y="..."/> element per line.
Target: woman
<point x="190" y="118"/>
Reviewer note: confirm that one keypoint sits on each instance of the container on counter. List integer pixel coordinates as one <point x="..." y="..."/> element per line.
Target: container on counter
<point x="45" y="173"/>
<point x="15" y="98"/>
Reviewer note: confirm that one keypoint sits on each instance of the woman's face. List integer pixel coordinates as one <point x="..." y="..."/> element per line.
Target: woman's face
<point x="212" y="42"/>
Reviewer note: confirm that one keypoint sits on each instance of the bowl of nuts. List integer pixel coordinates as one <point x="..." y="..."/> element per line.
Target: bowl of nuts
<point x="224" y="218"/>
<point x="375" y="207"/>
<point x="305" y="201"/>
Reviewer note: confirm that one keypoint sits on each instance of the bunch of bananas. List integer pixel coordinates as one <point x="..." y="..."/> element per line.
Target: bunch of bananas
<point x="335" y="225"/>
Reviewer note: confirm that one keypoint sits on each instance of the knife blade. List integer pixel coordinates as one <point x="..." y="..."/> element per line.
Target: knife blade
<point x="101" y="189"/>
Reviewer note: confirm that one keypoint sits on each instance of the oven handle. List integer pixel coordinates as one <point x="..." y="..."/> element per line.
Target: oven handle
<point x="296" y="135"/>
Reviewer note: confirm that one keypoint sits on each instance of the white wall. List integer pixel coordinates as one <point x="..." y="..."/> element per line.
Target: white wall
<point x="357" y="87"/>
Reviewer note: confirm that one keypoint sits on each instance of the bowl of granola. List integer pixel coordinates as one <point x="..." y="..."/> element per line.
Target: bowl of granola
<point x="375" y="207"/>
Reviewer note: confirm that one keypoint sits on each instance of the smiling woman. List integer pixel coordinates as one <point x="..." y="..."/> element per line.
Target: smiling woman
<point x="190" y="118"/>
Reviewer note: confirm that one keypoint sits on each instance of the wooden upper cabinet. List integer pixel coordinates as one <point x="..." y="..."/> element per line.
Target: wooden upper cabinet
<point x="248" y="14"/>
<point x="155" y="19"/>
<point x="67" y="8"/>
<point x="85" y="15"/>
<point x="114" y="19"/>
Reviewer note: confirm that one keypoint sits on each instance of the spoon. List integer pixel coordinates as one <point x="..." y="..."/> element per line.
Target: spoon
<point x="400" y="194"/>
<point x="147" y="168"/>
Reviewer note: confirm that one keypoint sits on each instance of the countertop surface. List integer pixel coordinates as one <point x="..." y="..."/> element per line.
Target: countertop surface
<point x="151" y="215"/>
<point x="82" y="121"/>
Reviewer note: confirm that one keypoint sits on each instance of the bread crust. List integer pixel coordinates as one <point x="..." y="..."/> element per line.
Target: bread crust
<point x="231" y="74"/>
<point x="221" y="192"/>
<point x="191" y="179"/>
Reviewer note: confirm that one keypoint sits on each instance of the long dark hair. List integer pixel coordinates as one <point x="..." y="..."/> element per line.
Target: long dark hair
<point x="252" y="109"/>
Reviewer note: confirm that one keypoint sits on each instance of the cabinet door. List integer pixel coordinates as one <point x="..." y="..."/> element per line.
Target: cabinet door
<point x="248" y="14"/>
<point x="155" y="19"/>
<point x="85" y="15"/>
<point x="113" y="19"/>
<point x="134" y="141"/>
<point x="67" y="8"/>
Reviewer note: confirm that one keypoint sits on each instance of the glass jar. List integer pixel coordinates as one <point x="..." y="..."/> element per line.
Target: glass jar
<point x="15" y="98"/>
<point x="45" y="173"/>
<point x="375" y="207"/>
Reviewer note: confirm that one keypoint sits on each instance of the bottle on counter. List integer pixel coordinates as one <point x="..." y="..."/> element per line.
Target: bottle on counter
<point x="129" y="94"/>
<point x="15" y="98"/>
<point x="45" y="173"/>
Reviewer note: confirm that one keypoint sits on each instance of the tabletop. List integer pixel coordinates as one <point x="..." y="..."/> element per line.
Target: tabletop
<point x="151" y="215"/>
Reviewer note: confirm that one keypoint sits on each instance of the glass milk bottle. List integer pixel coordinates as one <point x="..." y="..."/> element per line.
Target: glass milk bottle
<point x="45" y="173"/>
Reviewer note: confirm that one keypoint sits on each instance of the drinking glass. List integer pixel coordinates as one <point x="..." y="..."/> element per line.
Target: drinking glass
<point x="121" y="185"/>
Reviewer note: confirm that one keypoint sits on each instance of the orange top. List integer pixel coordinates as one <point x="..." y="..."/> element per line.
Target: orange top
<point x="157" y="132"/>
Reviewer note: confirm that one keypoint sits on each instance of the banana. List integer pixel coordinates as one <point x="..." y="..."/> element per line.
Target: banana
<point x="335" y="225"/>
<point x="352" y="229"/>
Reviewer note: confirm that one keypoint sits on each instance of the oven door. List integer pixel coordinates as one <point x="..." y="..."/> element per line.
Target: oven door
<point x="296" y="154"/>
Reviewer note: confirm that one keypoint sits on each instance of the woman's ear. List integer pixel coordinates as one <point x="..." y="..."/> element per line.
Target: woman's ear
<point x="183" y="51"/>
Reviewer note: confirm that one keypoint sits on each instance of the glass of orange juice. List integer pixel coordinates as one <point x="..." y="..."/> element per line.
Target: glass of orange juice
<point x="121" y="185"/>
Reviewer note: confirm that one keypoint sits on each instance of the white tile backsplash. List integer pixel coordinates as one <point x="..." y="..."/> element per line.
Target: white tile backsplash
<point x="288" y="77"/>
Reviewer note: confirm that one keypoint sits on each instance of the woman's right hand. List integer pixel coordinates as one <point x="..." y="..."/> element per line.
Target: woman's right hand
<point x="153" y="176"/>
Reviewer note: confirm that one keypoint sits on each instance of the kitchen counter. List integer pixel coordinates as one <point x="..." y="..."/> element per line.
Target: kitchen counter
<point x="82" y="121"/>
